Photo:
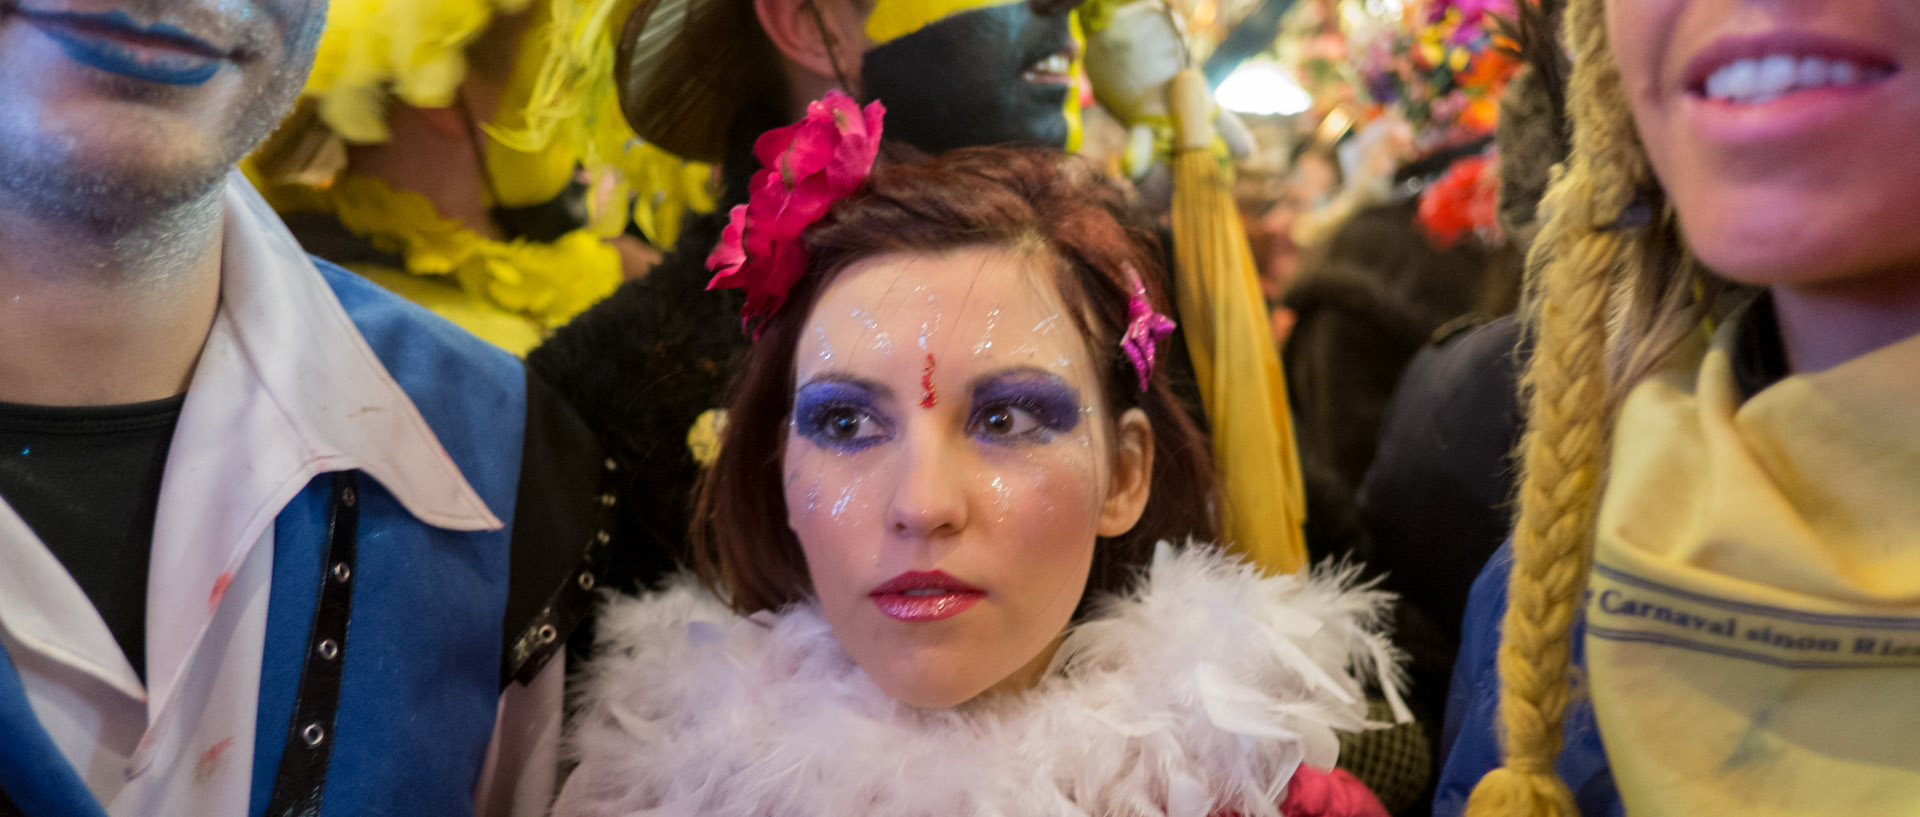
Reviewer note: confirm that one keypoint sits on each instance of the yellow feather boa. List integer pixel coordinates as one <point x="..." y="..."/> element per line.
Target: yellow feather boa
<point x="545" y="284"/>
<point x="415" y="51"/>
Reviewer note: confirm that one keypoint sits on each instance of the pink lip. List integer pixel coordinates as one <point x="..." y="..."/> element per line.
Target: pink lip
<point x="953" y="597"/>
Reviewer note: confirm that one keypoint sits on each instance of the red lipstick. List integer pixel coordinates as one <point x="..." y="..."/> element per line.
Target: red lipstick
<point x="916" y="596"/>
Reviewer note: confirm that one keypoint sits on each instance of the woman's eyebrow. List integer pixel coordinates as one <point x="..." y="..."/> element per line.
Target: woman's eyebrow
<point x="835" y="377"/>
<point x="999" y="377"/>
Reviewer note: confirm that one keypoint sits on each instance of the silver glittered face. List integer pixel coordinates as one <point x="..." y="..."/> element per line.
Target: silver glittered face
<point x="112" y="112"/>
<point x="968" y="453"/>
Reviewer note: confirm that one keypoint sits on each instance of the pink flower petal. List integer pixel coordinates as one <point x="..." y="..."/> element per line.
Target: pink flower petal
<point x="771" y="144"/>
<point x="730" y="254"/>
<point x="812" y="149"/>
<point x="807" y="166"/>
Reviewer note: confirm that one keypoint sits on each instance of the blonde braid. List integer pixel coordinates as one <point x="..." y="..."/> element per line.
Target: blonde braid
<point x="1575" y="264"/>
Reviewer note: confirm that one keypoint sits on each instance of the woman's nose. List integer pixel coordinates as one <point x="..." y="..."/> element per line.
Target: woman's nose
<point x="930" y="499"/>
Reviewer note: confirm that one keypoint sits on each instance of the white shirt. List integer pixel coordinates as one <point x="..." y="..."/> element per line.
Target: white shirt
<point x="285" y="389"/>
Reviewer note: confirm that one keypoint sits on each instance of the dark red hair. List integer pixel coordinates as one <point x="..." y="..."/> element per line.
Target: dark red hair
<point x="1005" y="197"/>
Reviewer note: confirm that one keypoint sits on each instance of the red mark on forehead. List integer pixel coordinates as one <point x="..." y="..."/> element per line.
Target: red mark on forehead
<point x="928" y="397"/>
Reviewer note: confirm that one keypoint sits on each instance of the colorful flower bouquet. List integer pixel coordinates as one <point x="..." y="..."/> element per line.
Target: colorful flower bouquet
<point x="1444" y="67"/>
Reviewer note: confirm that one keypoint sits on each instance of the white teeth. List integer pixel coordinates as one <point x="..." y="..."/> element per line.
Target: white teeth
<point x="1777" y="74"/>
<point x="1756" y="80"/>
<point x="1057" y="64"/>
<point x="1735" y="80"/>
<point x="1813" y="72"/>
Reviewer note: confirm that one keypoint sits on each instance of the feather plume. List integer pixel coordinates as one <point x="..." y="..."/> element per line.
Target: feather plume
<point x="1201" y="691"/>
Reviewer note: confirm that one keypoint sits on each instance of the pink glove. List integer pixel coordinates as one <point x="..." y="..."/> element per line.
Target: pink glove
<point x="1316" y="793"/>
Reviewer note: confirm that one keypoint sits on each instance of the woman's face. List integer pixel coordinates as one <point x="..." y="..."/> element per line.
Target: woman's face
<point x="1786" y="133"/>
<point x="949" y="466"/>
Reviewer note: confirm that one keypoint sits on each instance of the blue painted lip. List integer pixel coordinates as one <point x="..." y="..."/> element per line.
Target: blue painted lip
<point x="102" y="41"/>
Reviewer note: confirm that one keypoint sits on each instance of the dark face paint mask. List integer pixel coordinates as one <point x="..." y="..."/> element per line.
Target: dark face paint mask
<point x="959" y="81"/>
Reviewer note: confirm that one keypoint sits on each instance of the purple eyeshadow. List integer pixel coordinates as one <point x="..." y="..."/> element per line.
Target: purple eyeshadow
<point x="1050" y="399"/>
<point x="817" y="405"/>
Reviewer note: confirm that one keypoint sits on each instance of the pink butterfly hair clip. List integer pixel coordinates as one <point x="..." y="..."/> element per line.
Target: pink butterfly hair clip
<point x="1145" y="329"/>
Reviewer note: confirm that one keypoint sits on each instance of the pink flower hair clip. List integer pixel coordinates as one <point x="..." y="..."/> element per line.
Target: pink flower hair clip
<point x="1145" y="329"/>
<point x="805" y="168"/>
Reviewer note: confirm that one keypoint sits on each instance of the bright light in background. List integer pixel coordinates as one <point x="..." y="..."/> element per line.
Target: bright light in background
<point x="1262" y="89"/>
<point x="1383" y="9"/>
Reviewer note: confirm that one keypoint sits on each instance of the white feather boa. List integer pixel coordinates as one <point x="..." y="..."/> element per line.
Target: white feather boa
<point x="1200" y="692"/>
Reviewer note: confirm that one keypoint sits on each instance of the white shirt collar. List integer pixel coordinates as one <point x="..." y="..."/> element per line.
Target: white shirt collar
<point x="286" y="389"/>
<point x="311" y="359"/>
<point x="286" y="371"/>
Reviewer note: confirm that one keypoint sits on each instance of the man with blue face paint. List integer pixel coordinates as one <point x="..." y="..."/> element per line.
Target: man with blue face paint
<point x="266" y="533"/>
<point x="703" y="79"/>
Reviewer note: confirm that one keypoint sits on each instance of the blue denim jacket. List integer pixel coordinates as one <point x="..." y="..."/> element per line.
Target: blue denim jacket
<point x="1470" y="741"/>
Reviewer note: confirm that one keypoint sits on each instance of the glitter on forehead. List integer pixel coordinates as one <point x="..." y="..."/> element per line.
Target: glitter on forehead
<point x="986" y="337"/>
<point x="882" y="342"/>
<point x="932" y="324"/>
<point x="826" y="349"/>
<point x="1045" y="327"/>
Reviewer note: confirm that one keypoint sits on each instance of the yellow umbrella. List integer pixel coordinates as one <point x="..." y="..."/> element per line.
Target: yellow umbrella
<point x="1230" y="339"/>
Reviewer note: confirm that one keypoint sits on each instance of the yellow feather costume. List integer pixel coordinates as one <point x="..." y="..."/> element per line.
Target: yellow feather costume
<point x="379" y="52"/>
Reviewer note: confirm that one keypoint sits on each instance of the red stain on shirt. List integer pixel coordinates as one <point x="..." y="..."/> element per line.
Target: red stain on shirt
<point x="209" y="761"/>
<point x="213" y="752"/>
<point x="219" y="591"/>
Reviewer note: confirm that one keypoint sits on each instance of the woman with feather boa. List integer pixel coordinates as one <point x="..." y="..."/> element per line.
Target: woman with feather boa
<point x="938" y="547"/>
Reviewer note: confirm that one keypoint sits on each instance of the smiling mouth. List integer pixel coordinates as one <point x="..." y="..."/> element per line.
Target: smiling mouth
<point x="1054" y="69"/>
<point x="1756" y="70"/>
<point x="1756" y="81"/>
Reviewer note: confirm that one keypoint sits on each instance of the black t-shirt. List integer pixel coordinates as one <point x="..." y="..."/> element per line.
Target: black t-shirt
<point x="1759" y="357"/>
<point x="87" y="481"/>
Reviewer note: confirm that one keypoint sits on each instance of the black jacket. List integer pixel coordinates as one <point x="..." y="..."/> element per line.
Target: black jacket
<point x="1436" y="502"/>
